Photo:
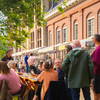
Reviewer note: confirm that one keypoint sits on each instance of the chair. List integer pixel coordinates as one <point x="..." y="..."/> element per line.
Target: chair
<point x="56" y="91"/>
<point x="4" y="93"/>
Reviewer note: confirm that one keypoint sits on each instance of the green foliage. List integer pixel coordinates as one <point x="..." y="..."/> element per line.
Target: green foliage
<point x="19" y="20"/>
<point x="3" y="49"/>
<point x="56" y="1"/>
<point x="60" y="8"/>
<point x="64" y="2"/>
<point x="63" y="15"/>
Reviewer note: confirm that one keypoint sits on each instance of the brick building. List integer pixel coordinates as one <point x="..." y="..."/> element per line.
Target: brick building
<point x="80" y="20"/>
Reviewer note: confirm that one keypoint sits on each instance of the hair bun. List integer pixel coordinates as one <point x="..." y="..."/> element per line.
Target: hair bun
<point x="49" y="63"/>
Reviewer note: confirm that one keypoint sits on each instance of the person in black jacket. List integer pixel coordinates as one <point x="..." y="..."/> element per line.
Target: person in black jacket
<point x="59" y="70"/>
<point x="7" y="57"/>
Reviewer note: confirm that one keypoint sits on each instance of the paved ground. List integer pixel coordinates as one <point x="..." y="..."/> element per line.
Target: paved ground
<point x="82" y="98"/>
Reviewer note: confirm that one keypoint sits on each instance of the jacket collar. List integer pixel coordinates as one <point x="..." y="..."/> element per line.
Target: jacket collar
<point x="77" y="48"/>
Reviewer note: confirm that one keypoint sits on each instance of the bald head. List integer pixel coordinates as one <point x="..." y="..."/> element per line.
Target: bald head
<point x="76" y="43"/>
<point x="27" y="53"/>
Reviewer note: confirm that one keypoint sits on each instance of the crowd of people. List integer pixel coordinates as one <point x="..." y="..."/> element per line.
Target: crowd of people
<point x="78" y="70"/>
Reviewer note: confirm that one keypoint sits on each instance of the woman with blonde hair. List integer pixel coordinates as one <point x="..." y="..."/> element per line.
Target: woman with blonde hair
<point x="11" y="64"/>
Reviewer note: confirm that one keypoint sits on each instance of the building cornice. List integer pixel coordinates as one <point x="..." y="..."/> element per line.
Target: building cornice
<point x="54" y="11"/>
<point x="66" y="14"/>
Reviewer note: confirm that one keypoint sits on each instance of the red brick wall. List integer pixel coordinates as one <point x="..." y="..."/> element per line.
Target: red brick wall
<point x="79" y="14"/>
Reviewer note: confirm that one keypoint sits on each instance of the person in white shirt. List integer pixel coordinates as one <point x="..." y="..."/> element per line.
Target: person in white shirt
<point x="31" y="63"/>
<point x="21" y="67"/>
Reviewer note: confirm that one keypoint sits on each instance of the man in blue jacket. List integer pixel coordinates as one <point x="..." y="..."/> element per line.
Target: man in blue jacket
<point x="26" y="63"/>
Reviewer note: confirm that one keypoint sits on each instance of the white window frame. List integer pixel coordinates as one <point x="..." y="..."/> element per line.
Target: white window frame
<point x="57" y="36"/>
<point x="75" y="31"/>
<point x="50" y="55"/>
<point x="90" y="18"/>
<point x="87" y="26"/>
<point x="98" y="24"/>
<point x="58" y="55"/>
<point x="50" y="39"/>
<point x="63" y="34"/>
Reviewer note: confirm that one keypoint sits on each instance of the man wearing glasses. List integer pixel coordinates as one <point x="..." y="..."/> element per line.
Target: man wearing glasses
<point x="59" y="70"/>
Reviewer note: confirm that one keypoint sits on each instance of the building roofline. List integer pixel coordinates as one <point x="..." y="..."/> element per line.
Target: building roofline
<point x="66" y="14"/>
<point x="54" y="11"/>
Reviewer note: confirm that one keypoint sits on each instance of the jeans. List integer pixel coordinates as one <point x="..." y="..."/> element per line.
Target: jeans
<point x="76" y="93"/>
<point x="26" y="68"/>
<point x="68" y="90"/>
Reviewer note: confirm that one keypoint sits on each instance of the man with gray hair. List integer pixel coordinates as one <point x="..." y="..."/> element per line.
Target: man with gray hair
<point x="59" y="70"/>
<point x="81" y="71"/>
<point x="68" y="48"/>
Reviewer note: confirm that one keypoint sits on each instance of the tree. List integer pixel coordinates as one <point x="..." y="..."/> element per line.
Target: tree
<point x="3" y="49"/>
<point x="19" y="15"/>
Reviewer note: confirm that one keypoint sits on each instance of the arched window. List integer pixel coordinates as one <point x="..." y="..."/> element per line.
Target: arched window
<point x="19" y="49"/>
<point x="99" y="22"/>
<point x="64" y="35"/>
<point x="90" y="25"/>
<point x="64" y="31"/>
<point x="32" y="40"/>
<point x="58" y="36"/>
<point x="58" y="41"/>
<point x="75" y="30"/>
<point x="50" y="39"/>
<point x="16" y="49"/>
<point x="39" y="40"/>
